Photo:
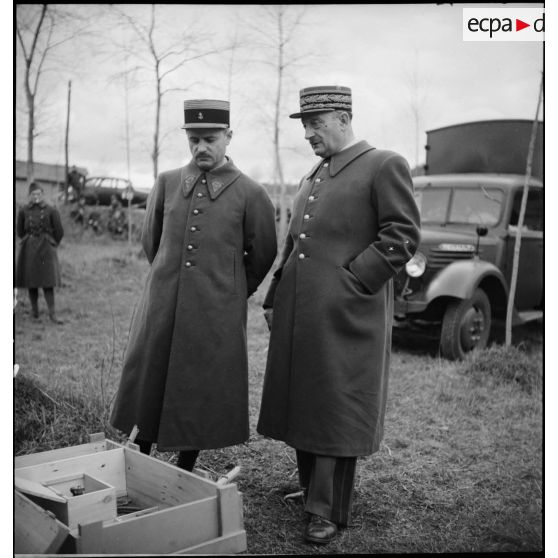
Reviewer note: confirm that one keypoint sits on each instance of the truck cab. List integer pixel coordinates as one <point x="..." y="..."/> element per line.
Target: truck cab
<point x="459" y="279"/>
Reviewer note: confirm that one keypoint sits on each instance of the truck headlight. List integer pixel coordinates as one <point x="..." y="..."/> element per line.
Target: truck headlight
<point x="416" y="265"/>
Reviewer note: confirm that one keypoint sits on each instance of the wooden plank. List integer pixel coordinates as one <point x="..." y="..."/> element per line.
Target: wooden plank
<point x="230" y="509"/>
<point x="229" y="544"/>
<point x="62" y="453"/>
<point x="154" y="482"/>
<point x="106" y="466"/>
<point x="162" y="532"/>
<point x="35" y="530"/>
<point x="37" y="489"/>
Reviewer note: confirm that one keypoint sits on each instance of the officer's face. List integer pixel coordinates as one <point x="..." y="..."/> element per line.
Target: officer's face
<point x="208" y="146"/>
<point x="325" y="132"/>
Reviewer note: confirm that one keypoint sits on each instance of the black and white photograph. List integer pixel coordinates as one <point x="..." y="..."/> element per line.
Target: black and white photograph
<point x="278" y="279"/>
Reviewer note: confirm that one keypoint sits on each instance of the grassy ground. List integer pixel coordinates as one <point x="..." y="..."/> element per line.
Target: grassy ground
<point x="460" y="468"/>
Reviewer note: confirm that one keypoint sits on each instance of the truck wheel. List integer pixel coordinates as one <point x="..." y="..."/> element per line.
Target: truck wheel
<point x="466" y="326"/>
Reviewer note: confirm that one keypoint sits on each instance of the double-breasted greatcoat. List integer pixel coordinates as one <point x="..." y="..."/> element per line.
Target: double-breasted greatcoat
<point x="210" y="239"/>
<point x="355" y="223"/>
<point x="40" y="229"/>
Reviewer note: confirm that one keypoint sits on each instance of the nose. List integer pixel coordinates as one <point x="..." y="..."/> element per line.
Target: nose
<point x="308" y="132"/>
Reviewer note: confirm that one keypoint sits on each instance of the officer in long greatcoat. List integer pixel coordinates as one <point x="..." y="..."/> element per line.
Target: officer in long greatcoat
<point x="209" y="235"/>
<point x="40" y="229"/>
<point x="354" y="225"/>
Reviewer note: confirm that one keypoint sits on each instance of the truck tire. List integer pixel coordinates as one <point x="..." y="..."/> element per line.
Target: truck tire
<point x="465" y="326"/>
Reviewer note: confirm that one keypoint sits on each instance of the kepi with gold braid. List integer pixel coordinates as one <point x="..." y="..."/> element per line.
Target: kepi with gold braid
<point x="324" y="98"/>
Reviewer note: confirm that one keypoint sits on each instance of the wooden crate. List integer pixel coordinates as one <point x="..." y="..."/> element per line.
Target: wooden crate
<point x="180" y="512"/>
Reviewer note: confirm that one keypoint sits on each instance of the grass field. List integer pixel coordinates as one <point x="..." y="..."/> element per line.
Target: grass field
<point x="460" y="468"/>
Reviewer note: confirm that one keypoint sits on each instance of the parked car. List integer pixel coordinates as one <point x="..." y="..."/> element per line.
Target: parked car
<point x="98" y="190"/>
<point x="459" y="279"/>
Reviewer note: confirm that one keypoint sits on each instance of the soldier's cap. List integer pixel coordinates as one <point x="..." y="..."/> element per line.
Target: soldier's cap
<point x="206" y="113"/>
<point x="324" y="98"/>
<point x="34" y="186"/>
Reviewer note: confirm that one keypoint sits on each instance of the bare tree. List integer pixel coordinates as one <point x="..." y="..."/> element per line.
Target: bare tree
<point x="417" y="98"/>
<point x="277" y="36"/>
<point x="160" y="57"/>
<point x="40" y="30"/>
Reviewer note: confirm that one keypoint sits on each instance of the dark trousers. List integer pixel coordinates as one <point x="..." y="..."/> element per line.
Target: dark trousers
<point x="34" y="298"/>
<point x="328" y="483"/>
<point x="186" y="458"/>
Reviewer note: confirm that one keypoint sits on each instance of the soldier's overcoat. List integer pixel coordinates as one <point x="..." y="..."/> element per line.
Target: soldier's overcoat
<point x="355" y="223"/>
<point x="40" y="230"/>
<point x="210" y="239"/>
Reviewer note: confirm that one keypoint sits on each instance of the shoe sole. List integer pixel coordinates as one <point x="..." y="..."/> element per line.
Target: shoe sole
<point x="318" y="541"/>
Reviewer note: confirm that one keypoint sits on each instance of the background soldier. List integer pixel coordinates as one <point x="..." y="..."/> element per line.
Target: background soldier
<point x="354" y="225"/>
<point x="209" y="235"/>
<point x="40" y="229"/>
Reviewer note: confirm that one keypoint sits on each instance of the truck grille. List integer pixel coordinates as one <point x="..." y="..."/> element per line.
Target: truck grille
<point x="440" y="258"/>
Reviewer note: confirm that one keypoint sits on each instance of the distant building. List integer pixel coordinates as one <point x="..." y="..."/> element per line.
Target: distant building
<point x="51" y="177"/>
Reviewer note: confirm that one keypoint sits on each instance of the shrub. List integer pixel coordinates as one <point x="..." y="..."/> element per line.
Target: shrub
<point x="59" y="418"/>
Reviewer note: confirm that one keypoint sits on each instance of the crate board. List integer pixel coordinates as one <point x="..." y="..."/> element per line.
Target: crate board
<point x="180" y="511"/>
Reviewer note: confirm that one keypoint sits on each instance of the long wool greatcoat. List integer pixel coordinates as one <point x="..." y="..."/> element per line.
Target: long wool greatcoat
<point x="40" y="230"/>
<point x="210" y="239"/>
<point x="354" y="225"/>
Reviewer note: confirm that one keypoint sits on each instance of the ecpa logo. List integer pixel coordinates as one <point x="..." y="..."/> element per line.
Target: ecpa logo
<point x="503" y="24"/>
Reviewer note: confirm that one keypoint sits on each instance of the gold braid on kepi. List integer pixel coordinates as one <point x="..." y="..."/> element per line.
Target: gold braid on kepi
<point x="206" y="113"/>
<point x="324" y="98"/>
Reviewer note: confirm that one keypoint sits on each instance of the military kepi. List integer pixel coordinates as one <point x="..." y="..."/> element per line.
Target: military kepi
<point x="34" y="186"/>
<point x="324" y="98"/>
<point x="206" y="113"/>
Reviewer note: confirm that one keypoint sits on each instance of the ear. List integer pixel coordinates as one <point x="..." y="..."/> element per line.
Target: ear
<point x="228" y="135"/>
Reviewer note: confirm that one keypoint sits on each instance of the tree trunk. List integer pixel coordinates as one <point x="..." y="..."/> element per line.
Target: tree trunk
<point x="30" y="138"/>
<point x="276" y="135"/>
<point x="66" y="139"/>
<point x="155" y="154"/>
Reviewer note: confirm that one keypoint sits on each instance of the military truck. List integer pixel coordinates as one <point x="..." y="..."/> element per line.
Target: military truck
<point x="458" y="282"/>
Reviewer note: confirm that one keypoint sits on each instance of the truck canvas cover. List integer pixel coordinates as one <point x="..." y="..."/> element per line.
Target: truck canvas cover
<point x="488" y="146"/>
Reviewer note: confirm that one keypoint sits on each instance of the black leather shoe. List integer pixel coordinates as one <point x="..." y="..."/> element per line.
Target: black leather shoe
<point x="320" y="530"/>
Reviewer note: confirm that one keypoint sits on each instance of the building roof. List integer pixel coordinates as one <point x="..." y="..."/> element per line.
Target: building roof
<point x="45" y="172"/>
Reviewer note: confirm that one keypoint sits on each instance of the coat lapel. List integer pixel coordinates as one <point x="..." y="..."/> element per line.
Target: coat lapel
<point x="218" y="180"/>
<point x="188" y="177"/>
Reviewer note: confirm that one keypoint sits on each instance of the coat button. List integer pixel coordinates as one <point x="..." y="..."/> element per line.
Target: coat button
<point x="326" y="165"/>
<point x="193" y="229"/>
<point x="200" y="195"/>
<point x="302" y="235"/>
<point x="318" y="179"/>
<point x="306" y="217"/>
<point x="311" y="198"/>
<point x="188" y="264"/>
<point x="196" y="211"/>
<point x="301" y="256"/>
<point x="204" y="181"/>
<point x="190" y="247"/>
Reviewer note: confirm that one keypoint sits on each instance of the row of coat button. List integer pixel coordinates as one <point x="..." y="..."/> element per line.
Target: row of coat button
<point x="193" y="228"/>
<point x="307" y="216"/>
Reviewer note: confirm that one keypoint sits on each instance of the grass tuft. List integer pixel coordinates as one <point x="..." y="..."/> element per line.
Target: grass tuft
<point x="505" y="365"/>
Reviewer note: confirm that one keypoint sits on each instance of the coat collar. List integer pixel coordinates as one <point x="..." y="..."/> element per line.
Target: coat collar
<point x="341" y="159"/>
<point x="218" y="180"/>
<point x="41" y="204"/>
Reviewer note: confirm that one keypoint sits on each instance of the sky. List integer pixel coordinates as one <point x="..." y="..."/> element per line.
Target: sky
<point x="376" y="50"/>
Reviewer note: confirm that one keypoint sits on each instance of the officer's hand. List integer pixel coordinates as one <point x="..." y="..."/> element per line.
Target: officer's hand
<point x="268" y="315"/>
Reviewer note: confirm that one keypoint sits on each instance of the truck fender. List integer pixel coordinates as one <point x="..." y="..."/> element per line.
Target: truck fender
<point x="460" y="279"/>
